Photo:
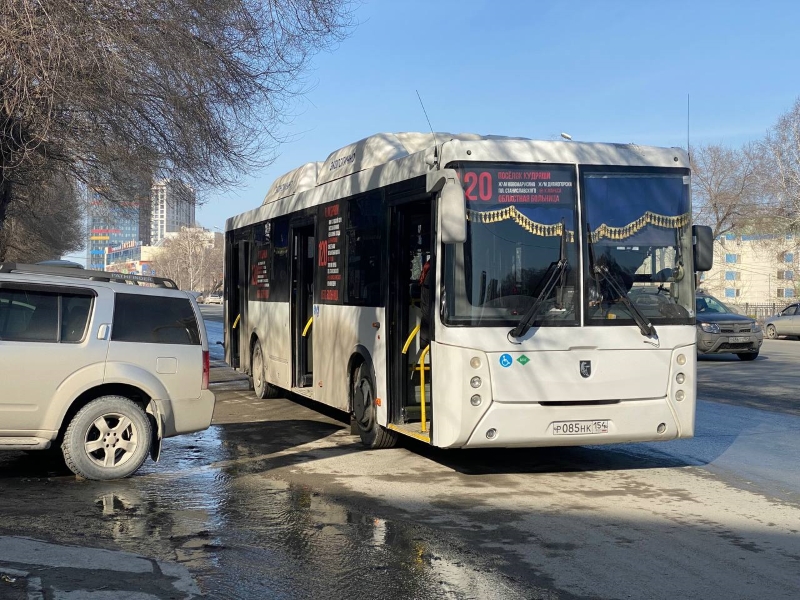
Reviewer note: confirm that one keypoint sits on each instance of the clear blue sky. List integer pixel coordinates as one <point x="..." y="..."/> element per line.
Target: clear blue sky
<point x="602" y="71"/>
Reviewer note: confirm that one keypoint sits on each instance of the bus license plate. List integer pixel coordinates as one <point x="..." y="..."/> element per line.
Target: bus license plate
<point x="579" y="427"/>
<point x="738" y="340"/>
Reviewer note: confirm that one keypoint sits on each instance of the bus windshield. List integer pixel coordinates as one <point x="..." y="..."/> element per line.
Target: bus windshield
<point x="518" y="215"/>
<point x="639" y="236"/>
<point x="637" y="245"/>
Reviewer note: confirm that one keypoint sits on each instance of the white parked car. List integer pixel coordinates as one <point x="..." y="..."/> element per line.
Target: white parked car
<point x="103" y="369"/>
<point x="214" y="298"/>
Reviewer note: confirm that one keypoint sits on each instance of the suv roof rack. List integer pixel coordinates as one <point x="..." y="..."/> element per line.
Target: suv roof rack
<point x="10" y="267"/>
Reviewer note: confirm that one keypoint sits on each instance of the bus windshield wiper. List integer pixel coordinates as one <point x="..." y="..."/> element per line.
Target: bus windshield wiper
<point x="551" y="277"/>
<point x="645" y="326"/>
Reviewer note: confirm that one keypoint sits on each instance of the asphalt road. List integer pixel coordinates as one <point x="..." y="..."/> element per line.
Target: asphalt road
<point x="278" y="500"/>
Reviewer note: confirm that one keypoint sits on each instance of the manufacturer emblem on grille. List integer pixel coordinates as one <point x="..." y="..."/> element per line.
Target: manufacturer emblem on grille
<point x="586" y="368"/>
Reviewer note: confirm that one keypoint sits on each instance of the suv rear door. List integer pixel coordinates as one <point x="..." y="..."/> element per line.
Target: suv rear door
<point x="49" y="351"/>
<point x="157" y="336"/>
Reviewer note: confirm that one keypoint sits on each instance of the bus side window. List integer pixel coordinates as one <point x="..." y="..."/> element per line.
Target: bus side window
<point x="365" y="231"/>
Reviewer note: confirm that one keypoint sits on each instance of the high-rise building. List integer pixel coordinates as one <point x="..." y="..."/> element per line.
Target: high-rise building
<point x="172" y="206"/>
<point x="112" y="225"/>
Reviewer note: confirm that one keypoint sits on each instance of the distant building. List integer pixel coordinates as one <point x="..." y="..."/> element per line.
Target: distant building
<point x="112" y="225"/>
<point x="172" y="206"/>
<point x="211" y="239"/>
<point x="116" y="230"/>
<point x="136" y="259"/>
<point x="754" y="269"/>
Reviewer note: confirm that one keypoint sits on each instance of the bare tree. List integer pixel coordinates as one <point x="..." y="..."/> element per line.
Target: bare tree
<point x="190" y="259"/>
<point x="44" y="219"/>
<point x="111" y="90"/>
<point x="725" y="186"/>
<point x="781" y="151"/>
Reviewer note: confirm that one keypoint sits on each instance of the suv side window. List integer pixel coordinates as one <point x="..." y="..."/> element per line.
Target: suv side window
<point x="32" y="315"/>
<point x="154" y="320"/>
<point x="75" y="310"/>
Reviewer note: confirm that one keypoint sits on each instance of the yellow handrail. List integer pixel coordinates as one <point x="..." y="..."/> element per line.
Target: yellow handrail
<point x="236" y="322"/>
<point x="308" y="326"/>
<point x="423" y="421"/>
<point x="410" y="337"/>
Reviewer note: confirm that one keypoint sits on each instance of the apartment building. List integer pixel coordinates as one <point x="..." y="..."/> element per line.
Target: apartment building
<point x="754" y="269"/>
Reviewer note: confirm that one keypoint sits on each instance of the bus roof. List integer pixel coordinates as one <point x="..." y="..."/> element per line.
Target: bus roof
<point x="364" y="154"/>
<point x="386" y="158"/>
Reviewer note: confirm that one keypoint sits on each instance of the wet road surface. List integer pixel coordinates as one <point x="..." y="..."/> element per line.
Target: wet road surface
<point x="278" y="500"/>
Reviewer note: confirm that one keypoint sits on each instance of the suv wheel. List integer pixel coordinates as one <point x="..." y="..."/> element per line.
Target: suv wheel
<point x="771" y="332"/>
<point x="109" y="438"/>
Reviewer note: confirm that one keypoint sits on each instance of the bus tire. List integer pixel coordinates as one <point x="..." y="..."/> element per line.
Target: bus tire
<point x="262" y="389"/>
<point x="372" y="434"/>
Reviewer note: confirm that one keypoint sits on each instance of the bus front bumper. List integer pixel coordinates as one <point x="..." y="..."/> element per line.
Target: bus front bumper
<point x="515" y="424"/>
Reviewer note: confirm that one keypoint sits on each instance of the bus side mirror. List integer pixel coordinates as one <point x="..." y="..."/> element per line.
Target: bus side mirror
<point x="703" y="247"/>
<point x="452" y="205"/>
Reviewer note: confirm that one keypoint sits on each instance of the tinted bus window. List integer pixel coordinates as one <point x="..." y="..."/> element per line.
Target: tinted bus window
<point x="364" y="243"/>
<point x="279" y="284"/>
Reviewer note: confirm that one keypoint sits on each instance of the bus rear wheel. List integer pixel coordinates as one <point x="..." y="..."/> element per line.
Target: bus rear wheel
<point x="262" y="389"/>
<point x="372" y="434"/>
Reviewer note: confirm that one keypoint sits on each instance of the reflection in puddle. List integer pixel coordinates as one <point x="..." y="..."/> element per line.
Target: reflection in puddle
<point x="243" y="534"/>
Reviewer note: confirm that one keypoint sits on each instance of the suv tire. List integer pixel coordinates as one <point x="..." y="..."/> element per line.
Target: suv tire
<point x="109" y="438"/>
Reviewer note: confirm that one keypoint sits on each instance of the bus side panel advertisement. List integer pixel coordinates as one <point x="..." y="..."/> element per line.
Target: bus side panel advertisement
<point x="329" y="265"/>
<point x="260" y="263"/>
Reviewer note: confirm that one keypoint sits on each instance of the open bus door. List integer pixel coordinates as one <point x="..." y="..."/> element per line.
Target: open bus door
<point x="409" y="359"/>
<point x="237" y="353"/>
<point x="303" y="253"/>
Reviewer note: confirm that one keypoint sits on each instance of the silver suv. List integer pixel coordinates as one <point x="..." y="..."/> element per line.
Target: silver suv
<point x="720" y="330"/>
<point x="104" y="369"/>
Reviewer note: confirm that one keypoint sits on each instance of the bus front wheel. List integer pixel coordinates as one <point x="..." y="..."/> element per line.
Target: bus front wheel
<point x="372" y="434"/>
<point x="262" y="389"/>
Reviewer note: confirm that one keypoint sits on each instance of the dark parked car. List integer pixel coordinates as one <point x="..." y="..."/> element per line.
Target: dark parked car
<point x="720" y="330"/>
<point x="786" y="322"/>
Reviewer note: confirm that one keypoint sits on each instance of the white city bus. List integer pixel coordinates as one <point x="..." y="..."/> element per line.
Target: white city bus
<point x="473" y="291"/>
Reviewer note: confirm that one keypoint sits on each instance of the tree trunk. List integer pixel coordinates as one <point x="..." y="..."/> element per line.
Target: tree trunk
<point x="5" y="201"/>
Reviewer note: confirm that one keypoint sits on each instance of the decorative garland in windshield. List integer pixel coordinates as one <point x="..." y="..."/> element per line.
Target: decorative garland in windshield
<point x="554" y="230"/>
<point x="648" y="218"/>
<point x="511" y="213"/>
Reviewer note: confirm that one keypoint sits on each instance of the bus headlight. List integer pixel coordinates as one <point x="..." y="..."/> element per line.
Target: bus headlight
<point x="680" y="395"/>
<point x="475" y="362"/>
<point x="475" y="400"/>
<point x="680" y="378"/>
<point x="475" y="382"/>
<point x="681" y="359"/>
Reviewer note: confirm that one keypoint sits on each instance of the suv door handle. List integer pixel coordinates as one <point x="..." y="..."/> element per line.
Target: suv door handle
<point x="103" y="331"/>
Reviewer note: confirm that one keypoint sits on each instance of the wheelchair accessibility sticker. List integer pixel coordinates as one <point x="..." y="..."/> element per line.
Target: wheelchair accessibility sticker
<point x="506" y="360"/>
